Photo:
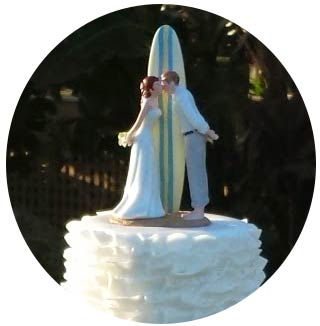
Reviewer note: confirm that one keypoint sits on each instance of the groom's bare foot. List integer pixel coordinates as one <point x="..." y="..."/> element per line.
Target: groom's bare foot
<point x="196" y="214"/>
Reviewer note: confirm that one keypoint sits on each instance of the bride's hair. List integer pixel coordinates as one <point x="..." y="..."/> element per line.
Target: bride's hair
<point x="147" y="84"/>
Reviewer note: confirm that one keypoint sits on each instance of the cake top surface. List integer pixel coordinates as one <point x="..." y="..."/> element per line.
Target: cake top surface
<point x="220" y="226"/>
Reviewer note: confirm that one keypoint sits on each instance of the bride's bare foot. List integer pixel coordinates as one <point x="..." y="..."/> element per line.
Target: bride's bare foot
<point x="196" y="214"/>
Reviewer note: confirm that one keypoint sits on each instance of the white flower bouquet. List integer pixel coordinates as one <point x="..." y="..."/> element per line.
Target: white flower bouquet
<point x="122" y="139"/>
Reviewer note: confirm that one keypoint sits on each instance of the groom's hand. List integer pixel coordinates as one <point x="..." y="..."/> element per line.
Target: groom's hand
<point x="211" y="135"/>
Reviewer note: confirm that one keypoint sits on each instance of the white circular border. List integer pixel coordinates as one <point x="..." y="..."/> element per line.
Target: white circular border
<point x="29" y="31"/>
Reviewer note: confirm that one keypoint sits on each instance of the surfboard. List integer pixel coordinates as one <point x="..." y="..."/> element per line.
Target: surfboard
<point x="166" y="54"/>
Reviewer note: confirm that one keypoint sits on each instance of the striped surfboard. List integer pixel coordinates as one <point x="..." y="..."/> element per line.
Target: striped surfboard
<point x="165" y="54"/>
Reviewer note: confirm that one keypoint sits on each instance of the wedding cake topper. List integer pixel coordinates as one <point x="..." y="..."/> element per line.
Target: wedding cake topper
<point x="168" y="134"/>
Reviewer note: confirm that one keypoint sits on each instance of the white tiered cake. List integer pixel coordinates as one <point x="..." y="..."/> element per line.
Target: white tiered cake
<point x="163" y="275"/>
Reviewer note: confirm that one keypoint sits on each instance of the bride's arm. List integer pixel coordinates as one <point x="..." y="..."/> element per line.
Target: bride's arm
<point x="138" y="122"/>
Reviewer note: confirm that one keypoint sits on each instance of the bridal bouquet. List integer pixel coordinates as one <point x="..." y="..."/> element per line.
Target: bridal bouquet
<point x="122" y="139"/>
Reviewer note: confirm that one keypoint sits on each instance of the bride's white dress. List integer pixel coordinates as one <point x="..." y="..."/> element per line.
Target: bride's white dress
<point x="141" y="196"/>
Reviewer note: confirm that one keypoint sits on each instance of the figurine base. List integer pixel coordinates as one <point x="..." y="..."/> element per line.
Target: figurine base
<point x="174" y="220"/>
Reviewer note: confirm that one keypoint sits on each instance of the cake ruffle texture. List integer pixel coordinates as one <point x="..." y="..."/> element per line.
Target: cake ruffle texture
<point x="163" y="275"/>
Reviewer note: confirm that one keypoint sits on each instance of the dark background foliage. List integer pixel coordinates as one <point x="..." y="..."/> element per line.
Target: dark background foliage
<point x="63" y="160"/>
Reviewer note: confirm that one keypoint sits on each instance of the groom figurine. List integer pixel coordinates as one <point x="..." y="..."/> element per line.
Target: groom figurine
<point x="196" y="132"/>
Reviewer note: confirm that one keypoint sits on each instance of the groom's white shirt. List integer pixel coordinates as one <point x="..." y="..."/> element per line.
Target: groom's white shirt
<point x="187" y="111"/>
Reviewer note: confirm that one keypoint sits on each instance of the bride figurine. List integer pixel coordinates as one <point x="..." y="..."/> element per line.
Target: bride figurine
<point x="141" y="197"/>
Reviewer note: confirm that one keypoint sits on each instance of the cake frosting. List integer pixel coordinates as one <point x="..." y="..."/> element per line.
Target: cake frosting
<point x="163" y="275"/>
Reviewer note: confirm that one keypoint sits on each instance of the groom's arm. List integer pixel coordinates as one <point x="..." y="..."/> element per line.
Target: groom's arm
<point x="191" y="113"/>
